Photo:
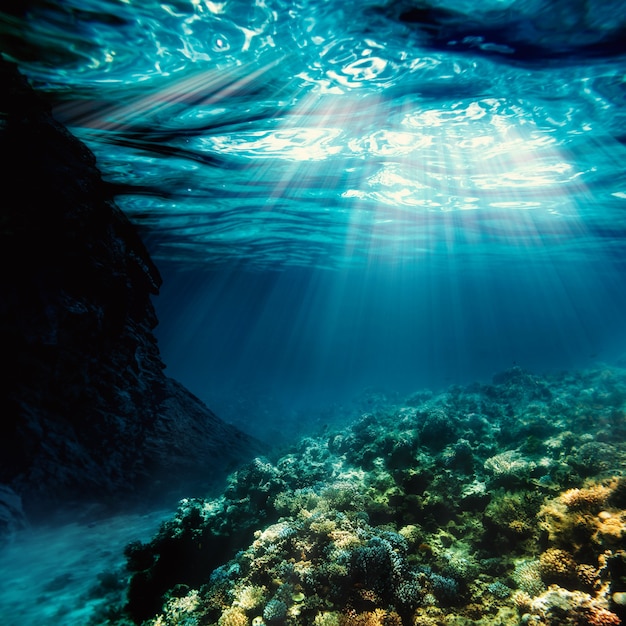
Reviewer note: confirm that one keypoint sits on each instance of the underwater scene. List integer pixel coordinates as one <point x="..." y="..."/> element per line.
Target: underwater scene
<point x="392" y="237"/>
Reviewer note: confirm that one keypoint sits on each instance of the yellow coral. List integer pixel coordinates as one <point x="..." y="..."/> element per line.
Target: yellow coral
<point x="327" y="618"/>
<point x="344" y="540"/>
<point x="186" y="604"/>
<point x="611" y="530"/>
<point x="522" y="601"/>
<point x="519" y="527"/>
<point x="413" y="534"/>
<point x="573" y="525"/>
<point x="250" y="597"/>
<point x="323" y="526"/>
<point x="233" y="617"/>
<point x="572" y="530"/>
<point x="177" y="609"/>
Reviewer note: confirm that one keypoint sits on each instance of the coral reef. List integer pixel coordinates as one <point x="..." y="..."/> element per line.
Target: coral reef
<point x="483" y="505"/>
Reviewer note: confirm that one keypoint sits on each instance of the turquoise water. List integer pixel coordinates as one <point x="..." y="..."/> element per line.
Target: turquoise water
<point x="357" y="207"/>
<point x="344" y="195"/>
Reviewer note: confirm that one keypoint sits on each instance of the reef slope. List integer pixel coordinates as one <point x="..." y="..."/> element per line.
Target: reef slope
<point x="492" y="504"/>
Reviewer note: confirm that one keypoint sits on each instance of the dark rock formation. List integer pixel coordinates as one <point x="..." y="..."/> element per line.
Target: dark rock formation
<point x="532" y="33"/>
<point x="88" y="413"/>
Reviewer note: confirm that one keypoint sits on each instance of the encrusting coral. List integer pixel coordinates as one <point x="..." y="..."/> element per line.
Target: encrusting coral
<point x="483" y="505"/>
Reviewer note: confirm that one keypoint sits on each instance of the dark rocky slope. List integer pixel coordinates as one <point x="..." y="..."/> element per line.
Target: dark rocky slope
<point x="88" y="413"/>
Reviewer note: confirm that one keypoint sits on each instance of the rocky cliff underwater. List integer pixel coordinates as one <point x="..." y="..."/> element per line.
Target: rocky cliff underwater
<point x="88" y="413"/>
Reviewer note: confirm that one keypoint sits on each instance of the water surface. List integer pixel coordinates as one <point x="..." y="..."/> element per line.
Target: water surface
<point x="342" y="195"/>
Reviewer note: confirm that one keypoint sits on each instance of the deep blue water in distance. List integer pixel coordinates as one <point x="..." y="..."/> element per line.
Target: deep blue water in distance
<point x="348" y="196"/>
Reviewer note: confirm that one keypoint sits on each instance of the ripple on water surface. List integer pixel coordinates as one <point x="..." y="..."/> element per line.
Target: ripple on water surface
<point x="252" y="129"/>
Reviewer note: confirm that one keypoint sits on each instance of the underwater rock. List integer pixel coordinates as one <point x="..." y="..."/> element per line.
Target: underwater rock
<point x="88" y="413"/>
<point x="12" y="516"/>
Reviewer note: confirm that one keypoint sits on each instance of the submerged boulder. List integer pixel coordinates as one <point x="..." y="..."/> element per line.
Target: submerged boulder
<point x="88" y="411"/>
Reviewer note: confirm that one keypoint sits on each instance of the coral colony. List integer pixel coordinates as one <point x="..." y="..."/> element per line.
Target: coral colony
<point x="491" y="504"/>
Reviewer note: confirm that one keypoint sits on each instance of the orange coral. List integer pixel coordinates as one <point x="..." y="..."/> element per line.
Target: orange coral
<point x="602" y="617"/>
<point x="590" y="499"/>
<point x="557" y="565"/>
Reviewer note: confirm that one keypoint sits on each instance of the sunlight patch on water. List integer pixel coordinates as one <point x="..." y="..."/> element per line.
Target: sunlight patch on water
<point x="311" y="123"/>
<point x="299" y="144"/>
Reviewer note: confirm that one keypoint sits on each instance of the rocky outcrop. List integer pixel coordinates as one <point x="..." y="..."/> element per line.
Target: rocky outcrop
<point x="88" y="412"/>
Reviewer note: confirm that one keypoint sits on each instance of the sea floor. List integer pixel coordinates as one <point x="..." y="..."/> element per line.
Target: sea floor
<point x="62" y="574"/>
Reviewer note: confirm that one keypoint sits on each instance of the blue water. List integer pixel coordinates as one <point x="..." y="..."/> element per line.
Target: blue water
<point x="351" y="196"/>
